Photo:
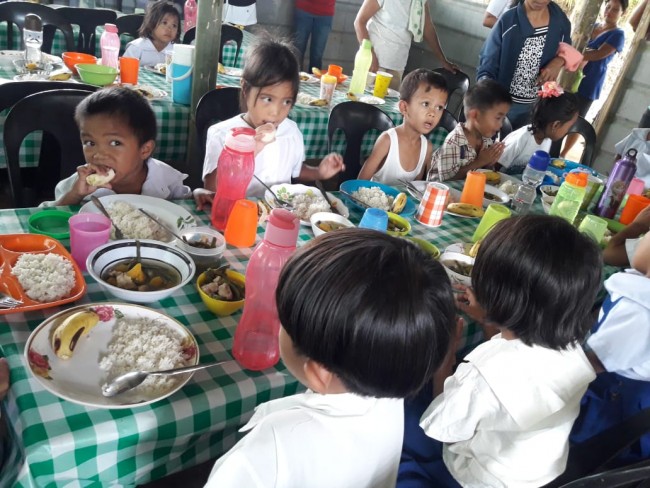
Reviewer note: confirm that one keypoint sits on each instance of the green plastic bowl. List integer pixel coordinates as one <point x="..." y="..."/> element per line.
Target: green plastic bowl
<point x="96" y="74"/>
<point x="52" y="223"/>
<point x="426" y="246"/>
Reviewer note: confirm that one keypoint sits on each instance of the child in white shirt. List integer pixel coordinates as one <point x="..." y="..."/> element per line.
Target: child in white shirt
<point x="160" y="29"/>
<point x="360" y="348"/>
<point x="401" y="153"/>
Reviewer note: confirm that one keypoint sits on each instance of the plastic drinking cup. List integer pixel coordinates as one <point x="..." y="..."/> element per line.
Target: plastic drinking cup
<point x="474" y="189"/>
<point x="241" y="228"/>
<point x="382" y="82"/>
<point x="433" y="204"/>
<point x="634" y="205"/>
<point x="637" y="185"/>
<point x="327" y="86"/>
<point x="129" y="70"/>
<point x="593" y="226"/>
<point x="594" y="185"/>
<point x="168" y="66"/>
<point x="88" y="231"/>
<point x="335" y="70"/>
<point x="493" y="214"/>
<point x="523" y="199"/>
<point x="375" y="219"/>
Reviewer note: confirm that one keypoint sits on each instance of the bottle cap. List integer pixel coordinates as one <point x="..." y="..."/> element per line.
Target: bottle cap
<point x="183" y="54"/>
<point x="577" y="179"/>
<point x="366" y="44"/>
<point x="282" y="228"/>
<point x="33" y="23"/>
<point x="241" y="139"/>
<point x="329" y="79"/>
<point x="539" y="160"/>
<point x="110" y="28"/>
<point x="631" y="154"/>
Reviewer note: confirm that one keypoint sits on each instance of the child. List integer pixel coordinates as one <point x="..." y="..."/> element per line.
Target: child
<point x="638" y="139"/>
<point x="118" y="133"/>
<point x="269" y="87"/>
<point x="400" y="153"/>
<point x="622" y="245"/>
<point x="618" y="351"/>
<point x="160" y="28"/>
<point x="372" y="338"/>
<point x="505" y="415"/>
<point x="469" y="146"/>
<point x="554" y="113"/>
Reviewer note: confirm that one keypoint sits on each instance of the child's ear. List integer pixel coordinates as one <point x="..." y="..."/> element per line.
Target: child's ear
<point x="146" y="149"/>
<point x="472" y="114"/>
<point x="402" y="105"/>
<point x="319" y="379"/>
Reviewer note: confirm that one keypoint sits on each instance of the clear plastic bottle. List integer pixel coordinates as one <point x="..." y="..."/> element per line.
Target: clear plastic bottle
<point x="110" y="46"/>
<point x="569" y="197"/>
<point x="33" y="38"/>
<point x="535" y="170"/>
<point x="256" y="337"/>
<point x="362" y="62"/>
<point x="617" y="184"/>
<point x="234" y="173"/>
<point x="189" y="15"/>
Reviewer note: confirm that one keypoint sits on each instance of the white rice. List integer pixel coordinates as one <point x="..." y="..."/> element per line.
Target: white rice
<point x="133" y="224"/>
<point x="374" y="197"/>
<point x="144" y="345"/>
<point x="307" y="204"/>
<point x="44" y="277"/>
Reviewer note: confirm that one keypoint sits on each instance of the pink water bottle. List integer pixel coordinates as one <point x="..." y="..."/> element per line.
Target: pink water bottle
<point x="110" y="45"/>
<point x="189" y="14"/>
<point x="256" y="338"/>
<point x="234" y="173"/>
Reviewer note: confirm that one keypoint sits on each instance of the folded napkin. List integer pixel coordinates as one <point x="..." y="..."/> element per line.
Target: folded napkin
<point x="572" y="57"/>
<point x="416" y="19"/>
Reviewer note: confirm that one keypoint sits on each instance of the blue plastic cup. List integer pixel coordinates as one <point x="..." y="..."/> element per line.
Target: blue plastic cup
<point x="375" y="219"/>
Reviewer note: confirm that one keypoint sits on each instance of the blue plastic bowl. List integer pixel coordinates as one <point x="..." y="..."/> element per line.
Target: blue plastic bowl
<point x="351" y="186"/>
<point x="560" y="173"/>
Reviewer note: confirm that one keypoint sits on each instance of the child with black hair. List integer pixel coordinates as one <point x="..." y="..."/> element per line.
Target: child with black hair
<point x="504" y="417"/>
<point x="469" y="146"/>
<point x="161" y="27"/>
<point x="360" y="345"/>
<point x="554" y="113"/>
<point x="118" y="134"/>
<point x="269" y="87"/>
<point x="401" y="153"/>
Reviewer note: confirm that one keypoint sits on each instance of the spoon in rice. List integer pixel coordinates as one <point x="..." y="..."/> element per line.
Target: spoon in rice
<point x="128" y="381"/>
<point x="98" y="203"/>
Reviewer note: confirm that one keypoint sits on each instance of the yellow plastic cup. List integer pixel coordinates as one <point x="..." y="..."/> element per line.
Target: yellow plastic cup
<point x="382" y="82"/>
<point x="493" y="214"/>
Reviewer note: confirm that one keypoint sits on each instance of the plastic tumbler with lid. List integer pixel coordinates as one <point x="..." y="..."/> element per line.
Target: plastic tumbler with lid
<point x="234" y="173"/>
<point x="256" y="344"/>
<point x="535" y="170"/>
<point x="569" y="197"/>
<point x="327" y="87"/>
<point x="110" y="46"/>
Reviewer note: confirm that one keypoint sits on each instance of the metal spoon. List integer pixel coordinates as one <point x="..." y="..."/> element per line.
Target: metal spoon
<point x="130" y="380"/>
<point x="283" y="203"/>
<point x="332" y="205"/>
<point x="98" y="203"/>
<point x="164" y="226"/>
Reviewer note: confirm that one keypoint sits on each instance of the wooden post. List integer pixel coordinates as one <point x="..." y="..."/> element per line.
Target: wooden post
<point x="204" y="79"/>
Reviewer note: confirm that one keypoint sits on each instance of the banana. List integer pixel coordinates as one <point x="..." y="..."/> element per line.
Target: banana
<point x="67" y="333"/>
<point x="317" y="72"/>
<point x="318" y="102"/>
<point x="399" y="203"/>
<point x="352" y="96"/>
<point x="466" y="209"/>
<point x="473" y="251"/>
<point x="492" y="177"/>
<point x="60" y="75"/>
<point x="220" y="69"/>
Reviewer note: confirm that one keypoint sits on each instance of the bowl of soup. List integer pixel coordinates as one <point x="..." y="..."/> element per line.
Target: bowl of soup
<point x="322" y="222"/>
<point x="161" y="270"/>
<point x="458" y="267"/>
<point x="493" y="195"/>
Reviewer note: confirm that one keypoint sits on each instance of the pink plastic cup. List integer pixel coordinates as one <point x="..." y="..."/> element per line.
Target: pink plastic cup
<point x="88" y="231"/>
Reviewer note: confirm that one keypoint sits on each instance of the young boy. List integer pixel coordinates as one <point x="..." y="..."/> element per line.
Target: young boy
<point x="118" y="133"/>
<point x="376" y="335"/>
<point x="469" y="146"/>
<point x="621" y="247"/>
<point x="401" y="153"/>
<point x="618" y="352"/>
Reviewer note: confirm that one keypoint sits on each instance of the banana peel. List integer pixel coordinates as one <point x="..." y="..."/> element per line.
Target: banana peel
<point x="399" y="203"/>
<point x="318" y="102"/>
<point x="466" y="209"/>
<point x="66" y="335"/>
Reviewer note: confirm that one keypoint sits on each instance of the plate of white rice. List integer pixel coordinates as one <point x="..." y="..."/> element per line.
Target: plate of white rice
<point x="44" y="277"/>
<point x="126" y="338"/>
<point x="306" y="201"/>
<point x="134" y="225"/>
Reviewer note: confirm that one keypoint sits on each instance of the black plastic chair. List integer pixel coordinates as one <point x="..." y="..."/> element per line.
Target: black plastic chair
<point x="129" y="24"/>
<point x="447" y="121"/>
<point x="14" y="14"/>
<point x="112" y="4"/>
<point x="644" y="123"/>
<point x="189" y="36"/>
<point x="53" y="113"/>
<point x="586" y="130"/>
<point x="228" y="34"/>
<point x="88" y="20"/>
<point x="355" y="119"/>
<point x="458" y="84"/>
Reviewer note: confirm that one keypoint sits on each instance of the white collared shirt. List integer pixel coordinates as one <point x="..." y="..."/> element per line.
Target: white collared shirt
<point x="316" y="441"/>
<point x="144" y="50"/>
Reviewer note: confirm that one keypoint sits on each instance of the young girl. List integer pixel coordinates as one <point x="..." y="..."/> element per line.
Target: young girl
<point x="269" y="87"/>
<point x="553" y="115"/>
<point x="160" y="28"/>
<point x="504" y="417"/>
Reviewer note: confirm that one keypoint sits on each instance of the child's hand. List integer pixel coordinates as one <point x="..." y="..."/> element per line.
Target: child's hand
<point x="490" y="155"/>
<point x="203" y="198"/>
<point x="81" y="188"/>
<point x="643" y="218"/>
<point x="466" y="302"/>
<point x="264" y="134"/>
<point x="331" y="165"/>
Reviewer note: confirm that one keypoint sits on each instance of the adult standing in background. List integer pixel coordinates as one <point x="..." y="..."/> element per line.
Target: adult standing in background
<point x="391" y="25"/>
<point x="240" y="12"/>
<point x="494" y="11"/>
<point x="313" y="18"/>
<point x="521" y="52"/>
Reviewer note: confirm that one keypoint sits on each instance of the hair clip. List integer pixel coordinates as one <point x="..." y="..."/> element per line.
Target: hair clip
<point x="550" y="89"/>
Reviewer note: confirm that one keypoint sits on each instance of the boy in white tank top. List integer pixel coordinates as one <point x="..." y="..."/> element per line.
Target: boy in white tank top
<point x="400" y="153"/>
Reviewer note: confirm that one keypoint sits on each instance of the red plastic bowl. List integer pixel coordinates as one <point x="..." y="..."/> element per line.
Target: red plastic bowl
<point x="70" y="59"/>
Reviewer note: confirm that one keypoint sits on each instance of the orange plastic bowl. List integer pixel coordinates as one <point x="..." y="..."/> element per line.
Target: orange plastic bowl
<point x="70" y="59"/>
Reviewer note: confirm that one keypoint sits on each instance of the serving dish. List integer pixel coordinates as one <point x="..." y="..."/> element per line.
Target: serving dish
<point x="289" y="192"/>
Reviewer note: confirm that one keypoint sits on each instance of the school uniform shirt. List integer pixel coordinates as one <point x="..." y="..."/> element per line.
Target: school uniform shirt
<point x="621" y="341"/>
<point x="392" y="171"/>
<point x="520" y="146"/>
<point x="506" y="414"/>
<point x="316" y="441"/>
<point x="162" y="181"/>
<point x="389" y="34"/>
<point x="144" y="50"/>
<point x="277" y="163"/>
<point x="454" y="153"/>
<point x="637" y="140"/>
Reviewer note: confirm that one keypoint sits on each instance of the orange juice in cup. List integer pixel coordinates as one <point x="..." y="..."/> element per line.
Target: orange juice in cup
<point x="382" y="82"/>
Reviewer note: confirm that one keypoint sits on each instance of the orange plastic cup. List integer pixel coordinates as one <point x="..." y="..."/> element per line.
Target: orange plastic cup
<point x="129" y="70"/>
<point x="634" y="205"/>
<point x="241" y="228"/>
<point x="474" y="189"/>
<point x="335" y="70"/>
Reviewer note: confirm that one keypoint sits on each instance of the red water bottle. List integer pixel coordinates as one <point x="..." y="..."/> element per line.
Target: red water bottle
<point x="234" y="173"/>
<point x="189" y="14"/>
<point x="256" y="344"/>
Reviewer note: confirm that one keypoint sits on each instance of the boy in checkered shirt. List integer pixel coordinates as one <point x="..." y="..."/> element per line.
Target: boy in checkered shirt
<point x="469" y="146"/>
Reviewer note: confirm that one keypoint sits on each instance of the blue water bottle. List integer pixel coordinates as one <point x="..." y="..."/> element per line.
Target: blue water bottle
<point x="182" y="67"/>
